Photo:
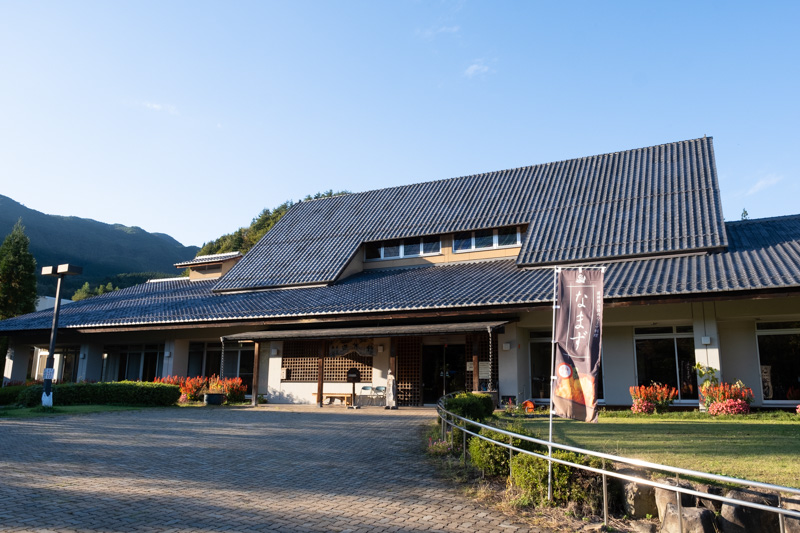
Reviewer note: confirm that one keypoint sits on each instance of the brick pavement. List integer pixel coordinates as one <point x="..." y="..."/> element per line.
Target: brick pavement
<point x="279" y="468"/>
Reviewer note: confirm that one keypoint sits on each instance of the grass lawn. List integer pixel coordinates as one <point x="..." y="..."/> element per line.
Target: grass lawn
<point x="760" y="447"/>
<point x="36" y="412"/>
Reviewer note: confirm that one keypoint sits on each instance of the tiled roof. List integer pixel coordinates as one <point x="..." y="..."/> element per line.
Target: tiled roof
<point x="203" y="259"/>
<point x="763" y="254"/>
<point x="648" y="201"/>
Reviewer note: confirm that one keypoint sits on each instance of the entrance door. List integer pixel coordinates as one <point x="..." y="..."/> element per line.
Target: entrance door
<point x="444" y="370"/>
<point x="540" y="370"/>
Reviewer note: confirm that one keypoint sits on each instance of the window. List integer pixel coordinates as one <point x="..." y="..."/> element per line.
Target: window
<point x="206" y="359"/>
<point x="666" y="355"/>
<point x="402" y="248"/>
<point x="779" y="359"/>
<point x="135" y="362"/>
<point x="485" y="239"/>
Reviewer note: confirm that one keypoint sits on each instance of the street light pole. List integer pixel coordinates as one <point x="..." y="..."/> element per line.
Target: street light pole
<point x="58" y="272"/>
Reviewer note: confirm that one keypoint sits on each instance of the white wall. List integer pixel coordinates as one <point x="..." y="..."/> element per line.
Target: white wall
<point x="619" y="364"/>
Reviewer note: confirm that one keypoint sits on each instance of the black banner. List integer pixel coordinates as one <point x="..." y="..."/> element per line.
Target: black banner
<point x="578" y="339"/>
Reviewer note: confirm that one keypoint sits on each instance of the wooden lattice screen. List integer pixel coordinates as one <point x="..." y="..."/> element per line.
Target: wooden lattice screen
<point x="409" y="370"/>
<point x="302" y="360"/>
<point x="481" y="340"/>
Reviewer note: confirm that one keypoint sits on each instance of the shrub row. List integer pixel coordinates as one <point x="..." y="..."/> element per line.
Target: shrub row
<point x="580" y="489"/>
<point x="8" y="395"/>
<point x="118" y="392"/>
<point x="474" y="406"/>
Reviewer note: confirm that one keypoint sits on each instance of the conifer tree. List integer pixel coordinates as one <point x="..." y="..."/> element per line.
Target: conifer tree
<point x="17" y="275"/>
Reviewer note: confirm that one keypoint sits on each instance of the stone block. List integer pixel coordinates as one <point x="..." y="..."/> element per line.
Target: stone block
<point x="665" y="497"/>
<point x="638" y="500"/>
<point x="695" y="520"/>
<point x="792" y="524"/>
<point x="708" y="503"/>
<point x="742" y="519"/>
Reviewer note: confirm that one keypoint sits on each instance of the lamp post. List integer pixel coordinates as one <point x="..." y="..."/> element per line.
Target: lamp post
<point x="57" y="272"/>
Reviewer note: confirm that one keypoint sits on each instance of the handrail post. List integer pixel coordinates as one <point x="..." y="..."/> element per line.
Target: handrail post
<point x="464" y="444"/>
<point x="781" y="518"/>
<point x="680" y="502"/>
<point x="605" y="494"/>
<point x="510" y="453"/>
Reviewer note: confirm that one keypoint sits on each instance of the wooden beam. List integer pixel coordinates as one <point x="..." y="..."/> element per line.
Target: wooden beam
<point x="256" y="360"/>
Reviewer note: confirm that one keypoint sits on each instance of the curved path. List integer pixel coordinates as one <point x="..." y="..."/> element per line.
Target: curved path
<point x="279" y="468"/>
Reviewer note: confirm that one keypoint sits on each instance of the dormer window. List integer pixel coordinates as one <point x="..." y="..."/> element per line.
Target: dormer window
<point x="485" y="239"/>
<point x="402" y="248"/>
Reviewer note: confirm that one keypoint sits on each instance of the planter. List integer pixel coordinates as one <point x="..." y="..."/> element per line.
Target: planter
<point x="214" y="398"/>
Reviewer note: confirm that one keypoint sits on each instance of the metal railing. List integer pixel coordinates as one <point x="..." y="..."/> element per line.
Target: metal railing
<point x="451" y="420"/>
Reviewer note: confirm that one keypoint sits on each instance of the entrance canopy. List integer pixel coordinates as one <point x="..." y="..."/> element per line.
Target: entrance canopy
<point x="375" y="331"/>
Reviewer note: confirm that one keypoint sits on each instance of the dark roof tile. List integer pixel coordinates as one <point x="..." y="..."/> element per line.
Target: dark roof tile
<point x="635" y="203"/>
<point x="763" y="254"/>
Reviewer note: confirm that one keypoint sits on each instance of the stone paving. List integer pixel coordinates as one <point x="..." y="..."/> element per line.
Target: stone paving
<point x="279" y="468"/>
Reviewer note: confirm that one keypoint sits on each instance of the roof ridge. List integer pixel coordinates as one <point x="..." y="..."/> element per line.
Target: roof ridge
<point x="765" y="219"/>
<point x="512" y="169"/>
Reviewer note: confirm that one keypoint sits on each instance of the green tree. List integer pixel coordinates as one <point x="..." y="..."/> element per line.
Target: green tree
<point x="17" y="275"/>
<point x="245" y="238"/>
<point x="86" y="291"/>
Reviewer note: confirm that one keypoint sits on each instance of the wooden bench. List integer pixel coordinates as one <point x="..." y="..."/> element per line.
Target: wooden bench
<point x="343" y="396"/>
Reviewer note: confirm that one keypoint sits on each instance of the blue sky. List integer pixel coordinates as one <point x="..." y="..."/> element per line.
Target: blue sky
<point x="189" y="117"/>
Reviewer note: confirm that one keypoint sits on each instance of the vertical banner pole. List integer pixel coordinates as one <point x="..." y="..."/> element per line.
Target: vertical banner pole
<point x="552" y="383"/>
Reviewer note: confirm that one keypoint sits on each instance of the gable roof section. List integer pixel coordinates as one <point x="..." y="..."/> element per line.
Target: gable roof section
<point x="648" y="201"/>
<point x="764" y="254"/>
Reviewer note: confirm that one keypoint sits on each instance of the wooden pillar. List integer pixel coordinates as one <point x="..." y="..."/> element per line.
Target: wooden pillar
<point x="393" y="356"/>
<point x="323" y="347"/>
<point x="476" y="376"/>
<point x="254" y="388"/>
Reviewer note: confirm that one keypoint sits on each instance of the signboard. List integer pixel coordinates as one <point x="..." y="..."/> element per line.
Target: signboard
<point x="48" y="373"/>
<point x="578" y="343"/>
<point x="341" y="347"/>
<point x="484" y="369"/>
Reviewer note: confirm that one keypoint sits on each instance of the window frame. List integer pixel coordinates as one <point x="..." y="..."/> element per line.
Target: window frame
<point x="773" y="332"/>
<point x="495" y="241"/>
<point x="420" y="243"/>
<point x="674" y="335"/>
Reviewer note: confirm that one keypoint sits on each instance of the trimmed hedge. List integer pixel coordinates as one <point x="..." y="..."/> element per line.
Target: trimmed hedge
<point x="474" y="406"/>
<point x="492" y="458"/>
<point x="110" y="393"/>
<point x="8" y="395"/>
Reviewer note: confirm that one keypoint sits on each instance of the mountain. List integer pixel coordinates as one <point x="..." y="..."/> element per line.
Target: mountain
<point x="105" y="251"/>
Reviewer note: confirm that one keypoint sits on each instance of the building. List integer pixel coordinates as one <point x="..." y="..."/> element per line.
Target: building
<point x="449" y="285"/>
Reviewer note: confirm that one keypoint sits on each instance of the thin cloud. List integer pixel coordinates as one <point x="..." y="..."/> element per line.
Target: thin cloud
<point x="763" y="183"/>
<point x="431" y="33"/>
<point x="166" y="108"/>
<point x="476" y="69"/>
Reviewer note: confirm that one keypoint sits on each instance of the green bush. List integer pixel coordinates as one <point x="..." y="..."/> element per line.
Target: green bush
<point x="118" y="392"/>
<point x="493" y="458"/>
<point x="8" y="395"/>
<point x="477" y="407"/>
<point x="579" y="488"/>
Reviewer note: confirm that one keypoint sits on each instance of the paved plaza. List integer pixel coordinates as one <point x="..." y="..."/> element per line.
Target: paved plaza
<point x="279" y="468"/>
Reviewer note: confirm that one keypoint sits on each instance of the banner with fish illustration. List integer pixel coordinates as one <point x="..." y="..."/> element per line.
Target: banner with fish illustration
<point x="578" y="340"/>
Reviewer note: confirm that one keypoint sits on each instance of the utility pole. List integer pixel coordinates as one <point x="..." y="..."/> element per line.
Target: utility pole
<point x="57" y="272"/>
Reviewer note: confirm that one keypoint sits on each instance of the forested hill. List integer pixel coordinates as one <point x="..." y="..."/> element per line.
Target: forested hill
<point x="107" y="252"/>
<point x="243" y="239"/>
